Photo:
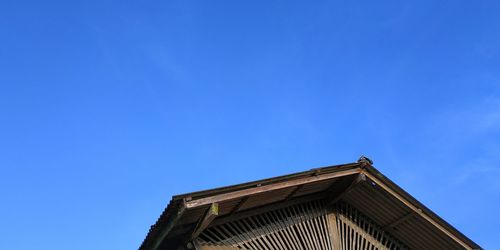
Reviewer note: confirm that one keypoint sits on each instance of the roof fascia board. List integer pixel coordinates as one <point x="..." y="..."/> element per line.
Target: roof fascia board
<point x="417" y="210"/>
<point x="269" y="187"/>
<point x="220" y="190"/>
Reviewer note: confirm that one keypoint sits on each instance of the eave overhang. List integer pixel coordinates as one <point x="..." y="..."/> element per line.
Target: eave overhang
<point x="377" y="196"/>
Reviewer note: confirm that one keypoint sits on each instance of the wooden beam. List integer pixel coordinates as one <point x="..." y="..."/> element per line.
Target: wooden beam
<point x="336" y="197"/>
<point x="299" y="187"/>
<point x="269" y="187"/>
<point x="294" y="191"/>
<point x="398" y="221"/>
<point x="266" y="208"/>
<point x="416" y="210"/>
<point x="333" y="231"/>
<point x="210" y="214"/>
<point x="239" y="205"/>
<point x="355" y="231"/>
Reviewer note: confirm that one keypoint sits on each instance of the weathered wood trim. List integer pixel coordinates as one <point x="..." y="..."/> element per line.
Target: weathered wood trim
<point x="335" y="198"/>
<point x="355" y="232"/>
<point x="294" y="191"/>
<point x="333" y="231"/>
<point x="269" y="187"/>
<point x="210" y="214"/>
<point x="239" y="205"/>
<point x="269" y="207"/>
<point x="398" y="221"/>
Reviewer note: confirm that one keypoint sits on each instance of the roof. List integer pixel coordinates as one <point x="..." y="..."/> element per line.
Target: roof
<point x="378" y="198"/>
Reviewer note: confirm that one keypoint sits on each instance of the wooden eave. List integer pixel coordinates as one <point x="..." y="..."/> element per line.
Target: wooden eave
<point x="392" y="207"/>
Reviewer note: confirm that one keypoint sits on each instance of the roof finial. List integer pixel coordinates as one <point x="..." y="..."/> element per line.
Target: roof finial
<point x="365" y="160"/>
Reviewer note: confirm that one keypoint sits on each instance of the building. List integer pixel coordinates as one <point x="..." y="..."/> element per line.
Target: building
<point x="349" y="206"/>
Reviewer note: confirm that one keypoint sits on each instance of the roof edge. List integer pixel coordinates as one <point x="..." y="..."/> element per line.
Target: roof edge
<point x="167" y="219"/>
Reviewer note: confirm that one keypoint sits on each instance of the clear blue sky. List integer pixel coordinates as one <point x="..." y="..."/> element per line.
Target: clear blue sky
<point x="108" y="108"/>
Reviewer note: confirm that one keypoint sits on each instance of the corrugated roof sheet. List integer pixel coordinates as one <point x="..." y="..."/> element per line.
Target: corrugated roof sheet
<point x="385" y="203"/>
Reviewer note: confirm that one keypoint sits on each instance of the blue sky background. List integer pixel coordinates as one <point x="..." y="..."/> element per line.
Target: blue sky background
<point x="108" y="108"/>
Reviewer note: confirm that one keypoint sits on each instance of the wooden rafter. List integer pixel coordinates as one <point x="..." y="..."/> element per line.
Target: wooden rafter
<point x="266" y="188"/>
<point x="210" y="214"/>
<point x="239" y="205"/>
<point x="399" y="221"/>
<point x="336" y="197"/>
<point x="266" y="208"/>
<point x="294" y="191"/>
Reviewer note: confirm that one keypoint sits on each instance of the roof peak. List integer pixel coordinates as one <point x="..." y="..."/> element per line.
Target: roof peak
<point x="365" y="160"/>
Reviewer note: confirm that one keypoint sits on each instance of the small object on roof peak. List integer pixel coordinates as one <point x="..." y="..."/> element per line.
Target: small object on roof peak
<point x="365" y="160"/>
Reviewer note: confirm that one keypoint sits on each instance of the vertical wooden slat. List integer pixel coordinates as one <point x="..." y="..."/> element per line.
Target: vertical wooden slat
<point x="290" y="227"/>
<point x="310" y="228"/>
<point x="306" y="226"/>
<point x="297" y="220"/>
<point x="286" y="230"/>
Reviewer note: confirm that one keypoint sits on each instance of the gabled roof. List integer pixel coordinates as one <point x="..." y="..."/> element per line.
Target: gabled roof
<point x="374" y="195"/>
